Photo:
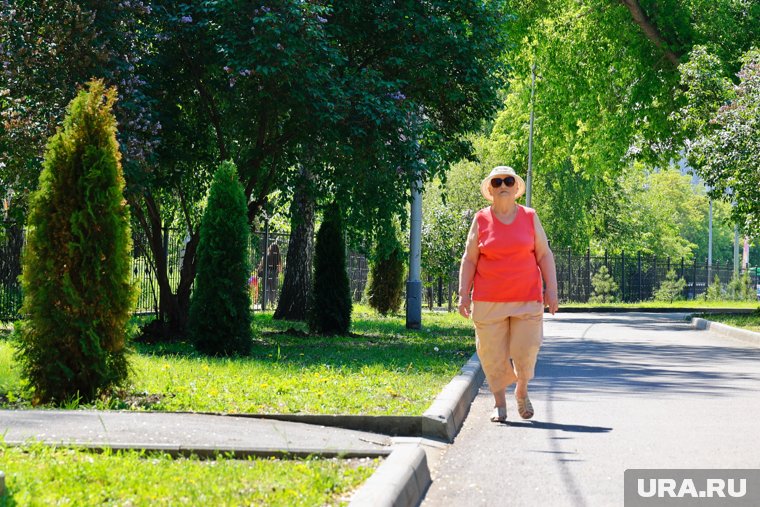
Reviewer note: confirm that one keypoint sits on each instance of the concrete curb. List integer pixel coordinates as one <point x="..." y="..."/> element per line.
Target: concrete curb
<point x="401" y="481"/>
<point x="444" y="418"/>
<point x="724" y="330"/>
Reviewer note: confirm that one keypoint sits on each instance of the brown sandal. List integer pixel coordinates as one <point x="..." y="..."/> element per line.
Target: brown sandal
<point x="525" y="407"/>
<point x="499" y="414"/>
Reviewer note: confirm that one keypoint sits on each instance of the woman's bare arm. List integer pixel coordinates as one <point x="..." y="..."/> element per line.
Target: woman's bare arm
<point x="545" y="259"/>
<point x="467" y="269"/>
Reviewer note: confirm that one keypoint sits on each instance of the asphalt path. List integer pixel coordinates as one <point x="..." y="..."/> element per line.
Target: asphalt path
<point x="612" y="392"/>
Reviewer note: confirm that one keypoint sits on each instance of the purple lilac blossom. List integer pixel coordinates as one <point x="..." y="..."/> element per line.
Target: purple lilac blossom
<point x="186" y="19"/>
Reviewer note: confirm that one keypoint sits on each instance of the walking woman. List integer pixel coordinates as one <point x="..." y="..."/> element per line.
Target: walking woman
<point x="500" y="287"/>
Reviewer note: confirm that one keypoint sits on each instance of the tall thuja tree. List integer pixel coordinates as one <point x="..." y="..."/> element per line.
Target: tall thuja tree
<point x="220" y="316"/>
<point x="76" y="276"/>
<point x="386" y="285"/>
<point x="330" y="299"/>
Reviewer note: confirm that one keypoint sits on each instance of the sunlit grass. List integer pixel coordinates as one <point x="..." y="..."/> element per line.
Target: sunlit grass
<point x="381" y="368"/>
<point x="41" y="475"/>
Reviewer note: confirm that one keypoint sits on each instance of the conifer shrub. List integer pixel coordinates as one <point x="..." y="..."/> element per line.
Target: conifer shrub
<point x="671" y="289"/>
<point x="715" y="291"/>
<point x="330" y="300"/>
<point x="739" y="288"/>
<point x="604" y="286"/>
<point x="220" y="315"/>
<point x="385" y="288"/>
<point x="76" y="280"/>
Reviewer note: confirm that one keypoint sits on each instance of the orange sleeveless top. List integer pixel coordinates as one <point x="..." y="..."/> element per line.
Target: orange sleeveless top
<point x="507" y="269"/>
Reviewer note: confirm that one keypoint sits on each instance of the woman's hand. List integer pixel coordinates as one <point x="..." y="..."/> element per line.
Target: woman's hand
<point x="550" y="300"/>
<point x="464" y="305"/>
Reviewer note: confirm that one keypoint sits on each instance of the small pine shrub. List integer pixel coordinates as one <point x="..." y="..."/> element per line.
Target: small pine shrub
<point x="330" y="300"/>
<point x="671" y="289"/>
<point x="76" y="278"/>
<point x="604" y="286"/>
<point x="220" y="315"/>
<point x="739" y="288"/>
<point x="715" y="292"/>
<point x="386" y="282"/>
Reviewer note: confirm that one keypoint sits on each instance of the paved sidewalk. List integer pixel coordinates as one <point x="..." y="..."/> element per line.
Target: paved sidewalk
<point x="185" y="433"/>
<point x="612" y="392"/>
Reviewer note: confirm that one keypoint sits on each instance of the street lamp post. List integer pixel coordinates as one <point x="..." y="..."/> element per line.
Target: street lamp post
<point x="709" y="244"/>
<point x="414" y="284"/>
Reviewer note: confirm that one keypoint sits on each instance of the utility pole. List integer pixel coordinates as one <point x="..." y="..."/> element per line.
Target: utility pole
<point x="529" y="176"/>
<point x="414" y="284"/>
<point x="736" y="249"/>
<point x="709" y="243"/>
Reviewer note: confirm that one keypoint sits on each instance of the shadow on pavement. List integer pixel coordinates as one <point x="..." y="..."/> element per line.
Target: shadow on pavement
<point x="640" y="321"/>
<point x="575" y="428"/>
<point x="574" y="366"/>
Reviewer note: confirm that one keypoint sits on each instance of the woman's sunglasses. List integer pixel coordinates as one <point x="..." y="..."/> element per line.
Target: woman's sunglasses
<point x="509" y="180"/>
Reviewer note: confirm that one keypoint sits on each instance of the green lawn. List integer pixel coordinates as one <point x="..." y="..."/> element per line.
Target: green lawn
<point x="382" y="368"/>
<point x="749" y="321"/>
<point x="40" y="475"/>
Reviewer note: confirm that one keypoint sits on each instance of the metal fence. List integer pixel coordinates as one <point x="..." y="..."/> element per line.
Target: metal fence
<point x="268" y="252"/>
<point x="637" y="276"/>
<point x="11" y="244"/>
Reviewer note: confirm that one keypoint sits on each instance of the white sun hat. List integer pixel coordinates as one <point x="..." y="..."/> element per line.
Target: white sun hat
<point x="500" y="172"/>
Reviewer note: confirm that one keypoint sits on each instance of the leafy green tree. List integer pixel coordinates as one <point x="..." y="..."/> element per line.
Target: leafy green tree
<point x="448" y="207"/>
<point x="385" y="288"/>
<point x="270" y="87"/>
<point x="220" y="315"/>
<point x="605" y="288"/>
<point x="605" y="93"/>
<point x="76" y="273"/>
<point x="290" y="83"/>
<point x="47" y="49"/>
<point x="726" y="155"/>
<point x="670" y="289"/>
<point x="330" y="300"/>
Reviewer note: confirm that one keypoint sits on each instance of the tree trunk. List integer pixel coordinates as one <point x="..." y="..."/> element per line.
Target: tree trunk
<point x="650" y="30"/>
<point x="294" y="297"/>
<point x="173" y="308"/>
